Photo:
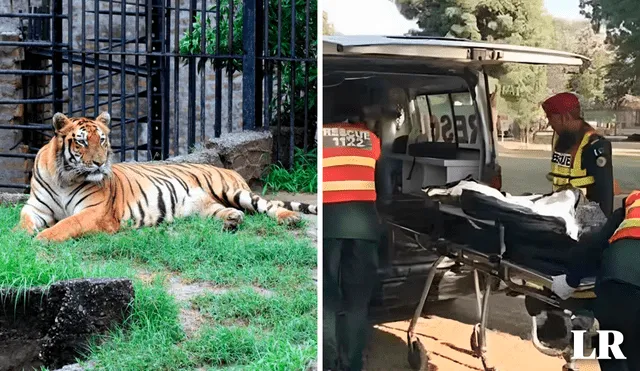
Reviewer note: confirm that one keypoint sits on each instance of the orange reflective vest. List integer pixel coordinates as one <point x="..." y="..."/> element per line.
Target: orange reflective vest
<point x="349" y="156"/>
<point x="566" y="168"/>
<point x="630" y="226"/>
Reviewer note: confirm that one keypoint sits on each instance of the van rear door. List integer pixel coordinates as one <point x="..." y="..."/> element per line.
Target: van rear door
<point x="446" y="50"/>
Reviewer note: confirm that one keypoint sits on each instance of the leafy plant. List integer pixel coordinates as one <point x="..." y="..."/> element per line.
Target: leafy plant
<point x="303" y="176"/>
<point x="227" y="40"/>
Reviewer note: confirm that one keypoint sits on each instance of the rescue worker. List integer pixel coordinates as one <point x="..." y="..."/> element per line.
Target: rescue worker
<point x="616" y="246"/>
<point x="350" y="240"/>
<point x="582" y="158"/>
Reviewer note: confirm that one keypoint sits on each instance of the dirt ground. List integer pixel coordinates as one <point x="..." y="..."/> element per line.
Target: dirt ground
<point x="447" y="343"/>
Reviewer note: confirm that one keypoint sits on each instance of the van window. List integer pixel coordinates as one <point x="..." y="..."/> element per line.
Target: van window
<point x="435" y="117"/>
<point x="466" y="119"/>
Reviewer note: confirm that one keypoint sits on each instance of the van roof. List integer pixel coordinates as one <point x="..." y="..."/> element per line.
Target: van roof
<point x="460" y="50"/>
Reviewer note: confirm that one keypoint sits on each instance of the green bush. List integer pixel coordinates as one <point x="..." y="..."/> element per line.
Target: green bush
<point x="302" y="177"/>
<point x="191" y="42"/>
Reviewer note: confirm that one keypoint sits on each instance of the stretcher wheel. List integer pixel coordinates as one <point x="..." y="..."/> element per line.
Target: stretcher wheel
<point x="417" y="356"/>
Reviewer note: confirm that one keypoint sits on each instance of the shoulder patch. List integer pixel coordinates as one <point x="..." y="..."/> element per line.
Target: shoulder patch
<point x="598" y="151"/>
<point x="601" y="161"/>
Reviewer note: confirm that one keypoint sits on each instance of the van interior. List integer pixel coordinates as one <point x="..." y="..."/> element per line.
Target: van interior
<point x="431" y="134"/>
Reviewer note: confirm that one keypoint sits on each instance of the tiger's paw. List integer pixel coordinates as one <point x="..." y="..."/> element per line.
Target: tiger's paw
<point x="48" y="236"/>
<point x="232" y="221"/>
<point x="289" y="218"/>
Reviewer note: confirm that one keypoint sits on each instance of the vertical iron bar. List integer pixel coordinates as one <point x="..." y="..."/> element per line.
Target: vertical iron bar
<point x="69" y="49"/>
<point x="292" y="103"/>
<point x="203" y="27"/>
<point x="56" y="61"/>
<point x="123" y="78"/>
<point x="217" y="129"/>
<point x="83" y="57"/>
<point x="230" y="69"/>
<point x="251" y="97"/>
<point x="164" y="82"/>
<point x="268" y="83"/>
<point x="110" y="57"/>
<point x="191" y="129"/>
<point x="176" y="83"/>
<point x="96" y="56"/>
<point x="158" y="81"/>
<point x="279" y="80"/>
<point x="149" y="83"/>
<point x="306" y="79"/>
<point x="137" y="97"/>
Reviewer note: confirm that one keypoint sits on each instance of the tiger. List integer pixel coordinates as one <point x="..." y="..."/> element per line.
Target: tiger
<point x="76" y="189"/>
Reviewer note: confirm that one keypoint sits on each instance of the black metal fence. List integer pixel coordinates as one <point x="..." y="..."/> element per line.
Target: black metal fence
<point x="167" y="87"/>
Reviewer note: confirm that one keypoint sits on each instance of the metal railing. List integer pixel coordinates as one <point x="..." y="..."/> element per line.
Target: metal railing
<point x="168" y="89"/>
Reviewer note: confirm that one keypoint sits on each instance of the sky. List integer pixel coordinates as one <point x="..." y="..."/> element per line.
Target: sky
<point x="381" y="17"/>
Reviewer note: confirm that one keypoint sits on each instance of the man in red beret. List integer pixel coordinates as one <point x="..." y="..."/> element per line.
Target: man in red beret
<point x="582" y="158"/>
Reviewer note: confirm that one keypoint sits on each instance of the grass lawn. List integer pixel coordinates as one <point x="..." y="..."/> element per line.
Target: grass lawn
<point x="258" y="312"/>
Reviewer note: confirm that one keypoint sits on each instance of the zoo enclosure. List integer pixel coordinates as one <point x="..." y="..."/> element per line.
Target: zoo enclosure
<point x="168" y="89"/>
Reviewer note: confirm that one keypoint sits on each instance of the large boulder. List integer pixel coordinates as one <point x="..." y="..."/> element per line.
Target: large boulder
<point x="51" y="326"/>
<point x="247" y="152"/>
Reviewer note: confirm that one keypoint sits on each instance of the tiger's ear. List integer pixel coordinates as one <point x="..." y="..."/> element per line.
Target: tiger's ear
<point x="59" y="121"/>
<point x="104" y="118"/>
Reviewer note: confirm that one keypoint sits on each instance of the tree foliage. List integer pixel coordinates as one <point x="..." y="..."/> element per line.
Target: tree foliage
<point x="621" y="18"/>
<point x="327" y="27"/>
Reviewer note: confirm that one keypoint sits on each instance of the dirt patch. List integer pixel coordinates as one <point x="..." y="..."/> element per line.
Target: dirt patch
<point x="50" y="327"/>
<point x="447" y="343"/>
<point x="191" y="320"/>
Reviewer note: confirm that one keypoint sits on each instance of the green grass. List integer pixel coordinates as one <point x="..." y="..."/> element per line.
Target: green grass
<point x="243" y="329"/>
<point x="302" y="178"/>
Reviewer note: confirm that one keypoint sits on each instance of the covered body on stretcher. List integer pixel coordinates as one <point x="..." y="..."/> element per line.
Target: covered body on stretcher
<point x="521" y="241"/>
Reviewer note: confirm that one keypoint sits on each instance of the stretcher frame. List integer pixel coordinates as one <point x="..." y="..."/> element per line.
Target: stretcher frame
<point x="495" y="269"/>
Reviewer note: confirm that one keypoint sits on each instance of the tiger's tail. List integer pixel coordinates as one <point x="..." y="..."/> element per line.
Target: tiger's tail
<point x="254" y="202"/>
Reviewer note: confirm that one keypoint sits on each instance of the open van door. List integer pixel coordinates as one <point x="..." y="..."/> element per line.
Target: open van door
<point x="448" y="50"/>
<point x="441" y="89"/>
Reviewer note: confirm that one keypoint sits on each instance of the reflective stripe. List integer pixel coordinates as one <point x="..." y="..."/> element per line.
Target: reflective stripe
<point x="349" y="185"/>
<point x="628" y="223"/>
<point x="349" y="160"/>
<point x="629" y="228"/>
<point x="574" y="175"/>
<point x="635" y="204"/>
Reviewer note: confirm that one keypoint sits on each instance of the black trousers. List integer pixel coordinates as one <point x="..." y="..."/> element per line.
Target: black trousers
<point x="618" y="308"/>
<point x="349" y="277"/>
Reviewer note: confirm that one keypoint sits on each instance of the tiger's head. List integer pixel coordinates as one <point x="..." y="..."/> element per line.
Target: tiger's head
<point x="83" y="148"/>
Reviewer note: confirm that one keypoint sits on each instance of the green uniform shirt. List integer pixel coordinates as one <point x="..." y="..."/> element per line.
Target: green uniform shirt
<point x="621" y="262"/>
<point x="356" y="220"/>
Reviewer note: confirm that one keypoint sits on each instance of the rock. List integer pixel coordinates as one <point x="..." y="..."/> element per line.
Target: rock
<point x="247" y="152"/>
<point x="205" y="156"/>
<point x="9" y="199"/>
<point x="50" y="327"/>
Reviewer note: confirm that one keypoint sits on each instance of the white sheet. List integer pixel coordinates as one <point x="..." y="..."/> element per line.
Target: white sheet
<point x="560" y="204"/>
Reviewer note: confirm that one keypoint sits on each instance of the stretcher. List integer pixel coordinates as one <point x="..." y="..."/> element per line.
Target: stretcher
<point x="493" y="264"/>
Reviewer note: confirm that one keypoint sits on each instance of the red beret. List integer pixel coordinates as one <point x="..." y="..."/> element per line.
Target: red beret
<point x="561" y="103"/>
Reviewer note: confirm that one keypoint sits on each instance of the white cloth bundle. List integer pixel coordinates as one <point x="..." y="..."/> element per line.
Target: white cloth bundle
<point x="560" y="204"/>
